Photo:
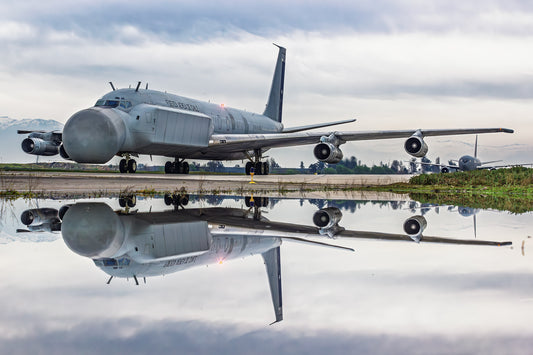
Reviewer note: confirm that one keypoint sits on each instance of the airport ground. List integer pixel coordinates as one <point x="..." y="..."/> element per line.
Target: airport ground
<point x="95" y="184"/>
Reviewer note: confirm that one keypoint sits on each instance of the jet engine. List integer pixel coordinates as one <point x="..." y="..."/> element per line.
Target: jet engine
<point x="41" y="219"/>
<point x="328" y="153"/>
<point x="38" y="146"/>
<point x="63" y="152"/>
<point x="416" y="146"/>
<point x="444" y="170"/>
<point x="414" y="227"/>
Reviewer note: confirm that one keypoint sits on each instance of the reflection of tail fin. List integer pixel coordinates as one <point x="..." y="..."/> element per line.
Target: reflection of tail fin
<point x="275" y="100"/>
<point x="475" y="148"/>
<point x="273" y="268"/>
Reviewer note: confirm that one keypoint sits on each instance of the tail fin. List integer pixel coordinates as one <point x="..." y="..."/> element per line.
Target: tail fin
<point x="274" y="106"/>
<point x="475" y="148"/>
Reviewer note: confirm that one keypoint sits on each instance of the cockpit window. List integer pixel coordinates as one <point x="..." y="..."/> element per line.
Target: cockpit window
<point x="123" y="104"/>
<point x="107" y="103"/>
<point x="112" y="262"/>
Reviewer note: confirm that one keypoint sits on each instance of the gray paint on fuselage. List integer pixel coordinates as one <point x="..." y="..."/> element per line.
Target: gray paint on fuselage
<point x="225" y="119"/>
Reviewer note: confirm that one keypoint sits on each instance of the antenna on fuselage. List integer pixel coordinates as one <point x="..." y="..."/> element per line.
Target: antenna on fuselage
<point x="109" y="281"/>
<point x="112" y="86"/>
<point x="475" y="148"/>
<point x="146" y="86"/>
<point x="138" y="84"/>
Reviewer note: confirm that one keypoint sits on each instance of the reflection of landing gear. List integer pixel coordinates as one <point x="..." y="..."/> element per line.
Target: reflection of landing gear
<point x="260" y="168"/>
<point x="127" y="165"/>
<point x="177" y="199"/>
<point x="176" y="167"/>
<point x="256" y="201"/>
<point x="129" y="200"/>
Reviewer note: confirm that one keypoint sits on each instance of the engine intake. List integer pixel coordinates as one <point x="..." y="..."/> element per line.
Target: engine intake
<point x="416" y="146"/>
<point x="39" y="146"/>
<point x="414" y="227"/>
<point x="328" y="153"/>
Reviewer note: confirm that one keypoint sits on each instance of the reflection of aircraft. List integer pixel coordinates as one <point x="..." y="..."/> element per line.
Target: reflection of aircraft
<point x="139" y="245"/>
<point x="129" y="122"/>
<point x="468" y="163"/>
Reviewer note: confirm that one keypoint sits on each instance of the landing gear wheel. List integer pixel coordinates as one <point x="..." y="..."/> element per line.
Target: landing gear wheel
<point x="168" y="167"/>
<point x="248" y="167"/>
<point x="132" y="166"/>
<point x="185" y="169"/>
<point x="123" y="166"/>
<point x="266" y="168"/>
<point x="122" y="202"/>
<point x="168" y="199"/>
<point x="258" y="168"/>
<point x="131" y="201"/>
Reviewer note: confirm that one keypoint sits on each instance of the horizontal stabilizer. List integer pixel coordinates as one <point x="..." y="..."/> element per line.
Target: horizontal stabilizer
<point x="318" y="125"/>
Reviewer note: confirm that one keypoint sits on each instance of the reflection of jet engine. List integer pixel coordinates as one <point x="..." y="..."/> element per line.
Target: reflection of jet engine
<point x="327" y="219"/>
<point x="39" y="146"/>
<point x="414" y="227"/>
<point x="41" y="219"/>
<point x="416" y="146"/>
<point x="328" y="153"/>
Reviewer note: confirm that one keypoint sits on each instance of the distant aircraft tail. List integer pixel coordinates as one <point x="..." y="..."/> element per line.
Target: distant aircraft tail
<point x="274" y="106"/>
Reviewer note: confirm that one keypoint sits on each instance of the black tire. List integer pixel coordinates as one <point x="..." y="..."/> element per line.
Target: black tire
<point x="168" y="167"/>
<point x="185" y="169"/>
<point x="248" y="167"/>
<point x="247" y="201"/>
<point x="258" y="168"/>
<point x="266" y="168"/>
<point x="131" y="201"/>
<point x="132" y="166"/>
<point x="184" y="200"/>
<point x="168" y="199"/>
<point x="122" y="202"/>
<point x="123" y="166"/>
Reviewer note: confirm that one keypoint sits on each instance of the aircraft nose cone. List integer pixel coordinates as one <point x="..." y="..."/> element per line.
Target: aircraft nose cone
<point x="93" y="135"/>
<point x="92" y="230"/>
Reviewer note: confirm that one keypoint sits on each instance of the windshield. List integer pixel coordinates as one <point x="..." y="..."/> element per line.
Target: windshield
<point x="123" y="104"/>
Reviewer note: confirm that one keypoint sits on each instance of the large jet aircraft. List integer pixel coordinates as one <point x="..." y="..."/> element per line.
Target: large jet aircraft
<point x="134" y="121"/>
<point x="137" y="245"/>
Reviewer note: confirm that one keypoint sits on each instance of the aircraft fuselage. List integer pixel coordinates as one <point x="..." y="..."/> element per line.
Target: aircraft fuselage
<point x="153" y="122"/>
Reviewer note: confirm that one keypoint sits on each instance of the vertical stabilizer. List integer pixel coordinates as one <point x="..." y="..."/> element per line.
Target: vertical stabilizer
<point x="273" y="268"/>
<point x="475" y="148"/>
<point x="274" y="105"/>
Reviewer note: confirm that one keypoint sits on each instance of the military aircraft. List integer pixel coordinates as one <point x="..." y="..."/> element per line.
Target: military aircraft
<point x="469" y="163"/>
<point x="137" y="245"/>
<point x="133" y="121"/>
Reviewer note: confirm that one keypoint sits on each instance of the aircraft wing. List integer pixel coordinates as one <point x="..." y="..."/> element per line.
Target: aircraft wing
<point x="242" y="142"/>
<point x="54" y="135"/>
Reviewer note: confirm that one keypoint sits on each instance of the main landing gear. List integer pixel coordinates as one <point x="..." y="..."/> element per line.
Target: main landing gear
<point x="127" y="165"/>
<point x="260" y="168"/>
<point x="177" y="167"/>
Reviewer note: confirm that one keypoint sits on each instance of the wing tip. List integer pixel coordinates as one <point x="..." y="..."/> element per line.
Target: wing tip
<point x="507" y="130"/>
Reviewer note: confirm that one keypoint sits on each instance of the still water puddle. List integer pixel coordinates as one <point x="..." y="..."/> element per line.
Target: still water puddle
<point x="212" y="273"/>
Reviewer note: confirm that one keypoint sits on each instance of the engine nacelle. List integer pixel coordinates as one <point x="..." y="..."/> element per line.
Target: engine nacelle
<point x="63" y="152"/>
<point x="445" y="170"/>
<point x="328" y="153"/>
<point x="38" y="146"/>
<point x="416" y="146"/>
<point x="414" y="227"/>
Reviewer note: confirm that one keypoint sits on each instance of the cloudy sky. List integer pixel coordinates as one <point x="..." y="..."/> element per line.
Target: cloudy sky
<point x="390" y="64"/>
